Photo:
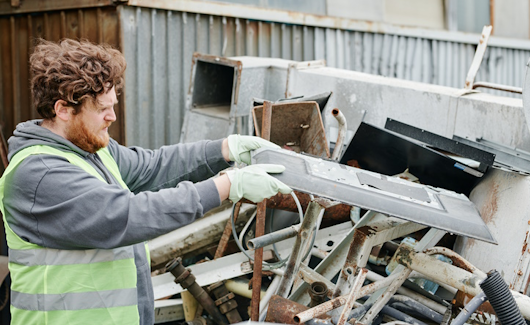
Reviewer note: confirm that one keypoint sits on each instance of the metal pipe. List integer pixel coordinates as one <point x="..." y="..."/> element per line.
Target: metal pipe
<point x="226" y="302"/>
<point x="457" y="260"/>
<point x="318" y="292"/>
<point x="469" y="309"/>
<point x="302" y="244"/>
<point x="511" y="89"/>
<point x="343" y="128"/>
<point x="267" y="297"/>
<point x="341" y="300"/>
<point x="402" y="275"/>
<point x="339" y="212"/>
<point x="354" y="294"/>
<point x="184" y="277"/>
<point x="415" y="306"/>
<point x="453" y="276"/>
<point x="260" y="223"/>
<point x="273" y="237"/>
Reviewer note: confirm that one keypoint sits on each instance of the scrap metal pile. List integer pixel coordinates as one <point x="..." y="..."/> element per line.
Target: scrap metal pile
<point x="393" y="224"/>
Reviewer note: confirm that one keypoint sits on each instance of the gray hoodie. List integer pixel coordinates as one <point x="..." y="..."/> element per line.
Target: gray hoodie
<point x="52" y="203"/>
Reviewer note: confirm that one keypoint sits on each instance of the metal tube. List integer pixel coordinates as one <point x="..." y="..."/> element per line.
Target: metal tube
<point x="511" y="89"/>
<point x="341" y="300"/>
<point x="457" y="260"/>
<point x="301" y="245"/>
<point x="273" y="237"/>
<point x="339" y="212"/>
<point x="416" y="307"/>
<point x="454" y="276"/>
<point x="343" y="128"/>
<point x="354" y="294"/>
<point x="469" y="309"/>
<point x="260" y="223"/>
<point x="402" y="275"/>
<point x="267" y="297"/>
<point x="184" y="277"/>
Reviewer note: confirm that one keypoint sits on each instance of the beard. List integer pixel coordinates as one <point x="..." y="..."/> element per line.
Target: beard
<point x="79" y="134"/>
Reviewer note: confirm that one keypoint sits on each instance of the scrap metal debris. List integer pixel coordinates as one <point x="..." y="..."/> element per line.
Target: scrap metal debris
<point x="381" y="227"/>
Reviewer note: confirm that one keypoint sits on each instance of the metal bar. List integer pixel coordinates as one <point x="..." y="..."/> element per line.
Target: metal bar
<point x="223" y="242"/>
<point x="469" y="309"/>
<point x="341" y="300"/>
<point x="260" y="222"/>
<point x="307" y="229"/>
<point x="354" y="294"/>
<point x="457" y="260"/>
<point x="264" y="303"/>
<point x="273" y="237"/>
<point x="380" y="299"/>
<point x="364" y="239"/>
<point x="343" y="128"/>
<point x="490" y="85"/>
<point x="479" y="55"/>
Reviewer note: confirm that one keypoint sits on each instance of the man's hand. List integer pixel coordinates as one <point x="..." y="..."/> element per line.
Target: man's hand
<point x="254" y="184"/>
<point x="239" y="147"/>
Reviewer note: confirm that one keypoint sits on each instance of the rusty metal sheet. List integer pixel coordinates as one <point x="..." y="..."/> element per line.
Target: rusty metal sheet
<point x="443" y="209"/>
<point x="297" y="126"/>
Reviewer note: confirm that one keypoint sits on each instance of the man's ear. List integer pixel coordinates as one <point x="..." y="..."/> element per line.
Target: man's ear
<point x="62" y="110"/>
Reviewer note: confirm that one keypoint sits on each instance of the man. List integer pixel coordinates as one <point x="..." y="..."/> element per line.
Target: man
<point x="78" y="206"/>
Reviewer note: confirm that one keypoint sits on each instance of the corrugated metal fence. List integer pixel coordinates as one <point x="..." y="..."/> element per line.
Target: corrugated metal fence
<point x="158" y="45"/>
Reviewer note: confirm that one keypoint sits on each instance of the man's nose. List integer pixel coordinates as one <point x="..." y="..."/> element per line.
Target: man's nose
<point x="111" y="116"/>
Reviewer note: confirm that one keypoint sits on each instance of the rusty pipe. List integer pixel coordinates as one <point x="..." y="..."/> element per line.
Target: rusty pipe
<point x="354" y="294"/>
<point x="457" y="260"/>
<point x="329" y="305"/>
<point x="343" y="129"/>
<point x="301" y="245"/>
<point x="260" y="222"/>
<point x="225" y="301"/>
<point x="318" y="292"/>
<point x="339" y="212"/>
<point x="186" y="280"/>
<point x="273" y="237"/>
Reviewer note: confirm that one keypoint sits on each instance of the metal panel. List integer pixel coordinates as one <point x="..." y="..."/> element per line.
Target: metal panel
<point x="422" y="204"/>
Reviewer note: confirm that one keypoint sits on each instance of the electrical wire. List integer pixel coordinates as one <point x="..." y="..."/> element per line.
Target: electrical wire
<point x="238" y="240"/>
<point x="266" y="265"/>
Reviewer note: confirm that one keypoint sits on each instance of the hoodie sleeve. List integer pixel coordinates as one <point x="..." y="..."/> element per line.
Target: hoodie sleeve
<point x="152" y="170"/>
<point x="52" y="203"/>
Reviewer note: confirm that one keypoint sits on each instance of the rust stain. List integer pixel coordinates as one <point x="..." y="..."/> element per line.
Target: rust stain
<point x="525" y="243"/>
<point x="490" y="206"/>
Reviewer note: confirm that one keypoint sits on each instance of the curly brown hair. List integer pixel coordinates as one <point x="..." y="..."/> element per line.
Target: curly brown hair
<point x="74" y="71"/>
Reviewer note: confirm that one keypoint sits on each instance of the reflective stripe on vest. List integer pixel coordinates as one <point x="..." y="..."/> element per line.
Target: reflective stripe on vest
<point x="53" y="286"/>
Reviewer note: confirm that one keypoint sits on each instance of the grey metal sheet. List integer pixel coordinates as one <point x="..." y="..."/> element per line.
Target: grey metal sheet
<point x="443" y="209"/>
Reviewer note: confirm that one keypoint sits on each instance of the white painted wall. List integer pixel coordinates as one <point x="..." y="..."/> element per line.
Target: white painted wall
<point x="511" y="18"/>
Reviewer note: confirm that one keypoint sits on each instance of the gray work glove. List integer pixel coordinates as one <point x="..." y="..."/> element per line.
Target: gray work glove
<point x="254" y="184"/>
<point x="239" y="147"/>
